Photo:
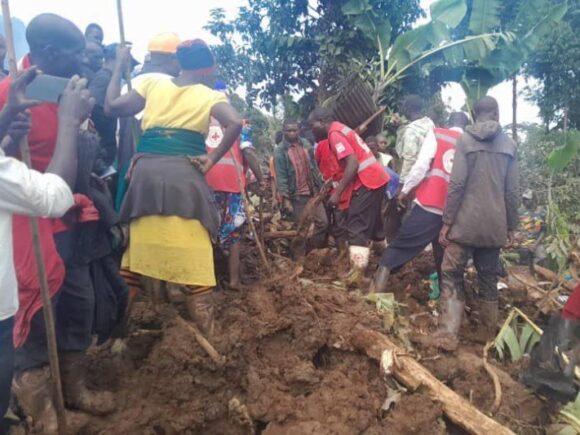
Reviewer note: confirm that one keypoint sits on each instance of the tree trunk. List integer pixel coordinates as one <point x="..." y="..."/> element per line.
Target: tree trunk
<point x="515" y="108"/>
<point x="413" y="375"/>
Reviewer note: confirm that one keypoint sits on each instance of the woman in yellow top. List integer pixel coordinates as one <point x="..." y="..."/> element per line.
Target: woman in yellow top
<point x="169" y="206"/>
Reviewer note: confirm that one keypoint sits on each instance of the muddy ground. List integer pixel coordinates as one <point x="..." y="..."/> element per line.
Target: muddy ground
<point x="289" y="368"/>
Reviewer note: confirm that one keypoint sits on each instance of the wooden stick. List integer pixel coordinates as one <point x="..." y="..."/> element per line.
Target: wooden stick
<point x="280" y="234"/>
<point x="122" y="40"/>
<point x="249" y="215"/>
<point x="413" y="375"/>
<point x="362" y="128"/>
<point x="261" y="216"/>
<point x="494" y="377"/>
<point x="202" y="341"/>
<point x="44" y="289"/>
<point x="553" y="276"/>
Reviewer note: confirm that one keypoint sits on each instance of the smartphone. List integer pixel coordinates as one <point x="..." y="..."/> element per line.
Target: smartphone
<point x="46" y="88"/>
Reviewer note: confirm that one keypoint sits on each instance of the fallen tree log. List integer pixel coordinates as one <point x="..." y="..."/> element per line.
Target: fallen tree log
<point x="269" y="235"/>
<point x="554" y="277"/>
<point x="413" y="375"/>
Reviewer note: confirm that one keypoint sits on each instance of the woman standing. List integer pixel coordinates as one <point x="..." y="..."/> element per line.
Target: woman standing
<point x="169" y="206"/>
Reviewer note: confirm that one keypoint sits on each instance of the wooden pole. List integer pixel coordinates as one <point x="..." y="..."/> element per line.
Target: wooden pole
<point x="44" y="291"/>
<point x="135" y="132"/>
<point x="414" y="376"/>
<point x="515" y="108"/>
<point x="363" y="127"/>
<point x="123" y="40"/>
<point x="250" y="215"/>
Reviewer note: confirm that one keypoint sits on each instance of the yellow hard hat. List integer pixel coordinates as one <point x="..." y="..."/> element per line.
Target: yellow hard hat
<point x="164" y="43"/>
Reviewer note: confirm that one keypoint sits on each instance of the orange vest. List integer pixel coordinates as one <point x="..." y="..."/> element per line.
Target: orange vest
<point x="223" y="176"/>
<point x="432" y="192"/>
<point x="370" y="172"/>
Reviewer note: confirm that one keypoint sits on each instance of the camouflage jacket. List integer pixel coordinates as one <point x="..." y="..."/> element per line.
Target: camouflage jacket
<point x="409" y="141"/>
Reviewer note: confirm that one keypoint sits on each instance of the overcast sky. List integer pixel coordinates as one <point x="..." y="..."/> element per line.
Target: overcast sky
<point x="144" y="19"/>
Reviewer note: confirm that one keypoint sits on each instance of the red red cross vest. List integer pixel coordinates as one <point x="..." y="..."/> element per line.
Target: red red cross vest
<point x="331" y="170"/>
<point x="370" y="172"/>
<point x="432" y="192"/>
<point x="223" y="176"/>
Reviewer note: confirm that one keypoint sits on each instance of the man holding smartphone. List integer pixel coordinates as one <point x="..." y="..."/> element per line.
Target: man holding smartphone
<point x="28" y="192"/>
<point x="56" y="48"/>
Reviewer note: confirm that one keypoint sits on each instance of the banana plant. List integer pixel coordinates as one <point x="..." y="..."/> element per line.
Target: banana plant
<point x="534" y="20"/>
<point x="424" y="44"/>
<point x="490" y="52"/>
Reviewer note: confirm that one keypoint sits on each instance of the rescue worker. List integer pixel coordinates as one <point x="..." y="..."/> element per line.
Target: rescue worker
<point x="430" y="176"/>
<point x="226" y="178"/>
<point x="362" y="173"/>
<point x="332" y="172"/>
<point x="480" y="216"/>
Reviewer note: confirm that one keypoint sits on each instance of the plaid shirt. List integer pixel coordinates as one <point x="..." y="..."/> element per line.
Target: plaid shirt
<point x="299" y="160"/>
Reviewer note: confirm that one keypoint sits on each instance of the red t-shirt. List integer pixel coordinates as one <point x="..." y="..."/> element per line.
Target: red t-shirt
<point x="42" y="136"/>
<point x="42" y="142"/>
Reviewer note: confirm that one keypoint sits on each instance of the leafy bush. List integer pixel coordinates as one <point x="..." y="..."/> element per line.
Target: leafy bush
<point x="550" y="167"/>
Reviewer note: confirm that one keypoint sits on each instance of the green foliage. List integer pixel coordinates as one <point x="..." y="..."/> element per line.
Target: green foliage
<point x="517" y="336"/>
<point x="485" y="63"/>
<point x="536" y="174"/>
<point x="485" y="16"/>
<point x="555" y="64"/>
<point x="449" y="12"/>
<point x="276" y="47"/>
<point x="560" y="158"/>
<point x="571" y="414"/>
<point x="549" y="166"/>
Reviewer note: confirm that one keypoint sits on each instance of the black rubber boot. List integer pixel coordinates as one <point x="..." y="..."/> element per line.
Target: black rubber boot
<point x="547" y="373"/>
<point x="451" y="315"/>
<point x="380" y="280"/>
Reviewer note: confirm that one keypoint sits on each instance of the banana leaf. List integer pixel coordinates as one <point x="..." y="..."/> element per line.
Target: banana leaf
<point x="485" y="16"/>
<point x="449" y="12"/>
<point x="562" y="157"/>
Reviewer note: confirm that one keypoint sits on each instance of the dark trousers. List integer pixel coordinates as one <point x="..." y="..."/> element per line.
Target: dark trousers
<point x="485" y="260"/>
<point x="393" y="218"/>
<point x="364" y="221"/>
<point x="6" y="368"/>
<point x="419" y="229"/>
<point x="337" y="225"/>
<point x="74" y="308"/>
<point x="319" y="218"/>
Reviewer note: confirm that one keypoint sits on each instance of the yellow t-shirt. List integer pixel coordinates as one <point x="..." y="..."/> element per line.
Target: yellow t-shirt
<point x="170" y="106"/>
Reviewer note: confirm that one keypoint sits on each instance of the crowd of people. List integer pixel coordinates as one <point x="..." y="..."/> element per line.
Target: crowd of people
<point x="155" y="181"/>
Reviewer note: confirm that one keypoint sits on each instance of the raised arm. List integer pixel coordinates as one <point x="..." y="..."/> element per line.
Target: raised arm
<point x="14" y="120"/>
<point x="29" y="192"/>
<point x="117" y="105"/>
<point x="74" y="108"/>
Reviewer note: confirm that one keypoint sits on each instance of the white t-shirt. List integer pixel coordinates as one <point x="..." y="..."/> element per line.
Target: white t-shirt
<point x="27" y="192"/>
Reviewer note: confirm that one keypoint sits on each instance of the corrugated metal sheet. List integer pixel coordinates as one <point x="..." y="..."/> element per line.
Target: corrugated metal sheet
<point x="355" y="106"/>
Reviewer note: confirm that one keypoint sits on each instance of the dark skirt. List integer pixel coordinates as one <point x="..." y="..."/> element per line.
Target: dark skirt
<point x="169" y="186"/>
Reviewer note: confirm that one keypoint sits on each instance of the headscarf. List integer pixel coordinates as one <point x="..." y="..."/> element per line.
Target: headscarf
<point x="195" y="55"/>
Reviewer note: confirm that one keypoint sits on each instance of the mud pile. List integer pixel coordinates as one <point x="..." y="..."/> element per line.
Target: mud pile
<point x="289" y="369"/>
